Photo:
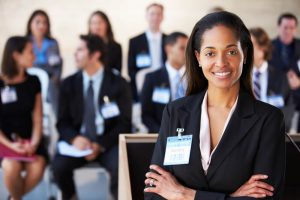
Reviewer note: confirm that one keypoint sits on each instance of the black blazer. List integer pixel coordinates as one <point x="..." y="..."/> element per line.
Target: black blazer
<point x="276" y="59"/>
<point x="71" y="105"/>
<point x="253" y="143"/>
<point x="152" y="111"/>
<point x="114" y="56"/>
<point x="137" y="45"/>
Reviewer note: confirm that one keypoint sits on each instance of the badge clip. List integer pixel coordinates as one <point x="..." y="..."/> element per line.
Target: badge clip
<point x="179" y="131"/>
<point x="106" y="99"/>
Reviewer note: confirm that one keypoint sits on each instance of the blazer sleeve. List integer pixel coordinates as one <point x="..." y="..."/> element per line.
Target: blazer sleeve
<point x="123" y="123"/>
<point x="132" y="68"/>
<point x="118" y="57"/>
<point x="64" y="121"/>
<point x="159" y="150"/>
<point x="56" y="69"/>
<point x="148" y="108"/>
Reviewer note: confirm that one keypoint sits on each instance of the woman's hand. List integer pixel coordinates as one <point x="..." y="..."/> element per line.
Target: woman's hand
<point x="166" y="185"/>
<point x="254" y="187"/>
<point x="18" y="147"/>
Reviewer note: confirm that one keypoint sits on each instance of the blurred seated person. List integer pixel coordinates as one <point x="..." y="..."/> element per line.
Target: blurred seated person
<point x="269" y="84"/>
<point x="21" y="119"/>
<point x="286" y="55"/>
<point x="94" y="108"/>
<point x="165" y="84"/>
<point x="46" y="50"/>
<point x="100" y="25"/>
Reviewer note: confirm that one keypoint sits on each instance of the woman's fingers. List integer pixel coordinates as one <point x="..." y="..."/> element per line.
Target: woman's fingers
<point x="153" y="175"/>
<point x="257" y="177"/>
<point x="258" y="190"/>
<point x="159" y="170"/>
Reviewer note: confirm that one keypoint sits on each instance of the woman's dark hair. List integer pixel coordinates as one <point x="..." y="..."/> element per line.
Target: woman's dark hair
<point x="109" y="33"/>
<point x="33" y="15"/>
<point x="263" y="41"/>
<point x="9" y="66"/>
<point x="195" y="77"/>
<point x="94" y="43"/>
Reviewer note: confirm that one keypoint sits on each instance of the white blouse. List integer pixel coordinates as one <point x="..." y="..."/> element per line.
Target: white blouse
<point x="205" y="134"/>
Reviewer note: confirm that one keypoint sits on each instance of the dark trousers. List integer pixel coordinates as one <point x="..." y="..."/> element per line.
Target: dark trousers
<point x="63" y="167"/>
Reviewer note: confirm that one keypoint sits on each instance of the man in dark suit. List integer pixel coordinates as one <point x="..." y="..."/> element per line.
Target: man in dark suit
<point x="286" y="54"/>
<point x="266" y="89"/>
<point x="146" y="50"/>
<point x="94" y="108"/>
<point x="165" y="84"/>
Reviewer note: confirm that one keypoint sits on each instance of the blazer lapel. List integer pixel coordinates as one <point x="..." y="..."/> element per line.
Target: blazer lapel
<point x="189" y="119"/>
<point x="241" y="121"/>
<point x="79" y="98"/>
<point x="105" y="87"/>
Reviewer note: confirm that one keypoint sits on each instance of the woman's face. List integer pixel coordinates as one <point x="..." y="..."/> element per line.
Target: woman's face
<point x="98" y="26"/>
<point x="26" y="57"/>
<point x="221" y="57"/>
<point x="258" y="51"/>
<point x="39" y="26"/>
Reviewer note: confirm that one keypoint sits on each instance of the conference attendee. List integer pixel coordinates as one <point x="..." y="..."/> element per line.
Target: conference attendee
<point x="218" y="142"/>
<point x="100" y="25"/>
<point x="20" y="120"/>
<point x="94" y="108"/>
<point x="165" y="84"/>
<point x="46" y="51"/>
<point x="286" y="54"/>
<point x="270" y="85"/>
<point x="147" y="49"/>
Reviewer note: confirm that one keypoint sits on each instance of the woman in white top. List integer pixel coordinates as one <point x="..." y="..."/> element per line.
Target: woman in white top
<point x="218" y="142"/>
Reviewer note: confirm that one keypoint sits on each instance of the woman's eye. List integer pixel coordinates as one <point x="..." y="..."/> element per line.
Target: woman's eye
<point x="209" y="54"/>
<point x="232" y="52"/>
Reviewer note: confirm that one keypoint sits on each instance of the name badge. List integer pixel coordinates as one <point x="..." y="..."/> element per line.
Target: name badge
<point x="8" y="95"/>
<point x="143" y="60"/>
<point x="276" y="100"/>
<point x="161" y="95"/>
<point x="178" y="150"/>
<point x="109" y="109"/>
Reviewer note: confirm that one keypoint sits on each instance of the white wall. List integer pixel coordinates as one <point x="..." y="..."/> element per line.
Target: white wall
<point x="69" y="18"/>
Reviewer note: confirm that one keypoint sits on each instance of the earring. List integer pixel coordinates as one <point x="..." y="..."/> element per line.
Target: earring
<point x="200" y="65"/>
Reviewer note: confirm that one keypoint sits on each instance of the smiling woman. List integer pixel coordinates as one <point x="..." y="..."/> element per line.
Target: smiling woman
<point x="220" y="152"/>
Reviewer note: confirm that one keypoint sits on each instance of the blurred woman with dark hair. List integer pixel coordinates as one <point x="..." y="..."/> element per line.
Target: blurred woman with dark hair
<point x="46" y="50"/>
<point x="21" y="118"/>
<point x="99" y="24"/>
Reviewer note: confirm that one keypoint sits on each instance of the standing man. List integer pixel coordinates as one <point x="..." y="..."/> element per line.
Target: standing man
<point x="286" y="54"/>
<point x="164" y="84"/>
<point x="94" y="107"/>
<point x="146" y="50"/>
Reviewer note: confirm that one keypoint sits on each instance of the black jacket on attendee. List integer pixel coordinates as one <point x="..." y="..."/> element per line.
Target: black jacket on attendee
<point x="253" y="143"/>
<point x="138" y="45"/>
<point x="114" y="56"/>
<point x="152" y="111"/>
<point x="71" y="105"/>
<point x="278" y="63"/>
